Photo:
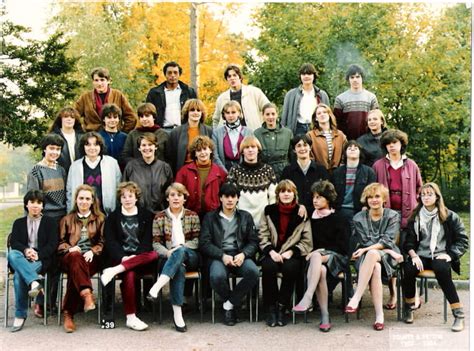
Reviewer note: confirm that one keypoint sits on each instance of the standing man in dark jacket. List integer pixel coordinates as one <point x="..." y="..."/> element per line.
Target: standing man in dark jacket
<point x="229" y="240"/>
<point x="170" y="96"/>
<point x="300" y="103"/>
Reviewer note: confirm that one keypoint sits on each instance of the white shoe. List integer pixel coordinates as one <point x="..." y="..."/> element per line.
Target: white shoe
<point x="107" y="276"/>
<point x="136" y="324"/>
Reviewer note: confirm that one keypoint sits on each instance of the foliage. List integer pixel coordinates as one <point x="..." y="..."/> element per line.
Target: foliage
<point x="7" y="217"/>
<point x="135" y="40"/>
<point x="35" y="83"/>
<point x="14" y="169"/>
<point x="418" y="63"/>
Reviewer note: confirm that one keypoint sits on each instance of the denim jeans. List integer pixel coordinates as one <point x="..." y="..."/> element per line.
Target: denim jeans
<point x="219" y="277"/>
<point x="302" y="128"/>
<point x="181" y="259"/>
<point x="25" y="273"/>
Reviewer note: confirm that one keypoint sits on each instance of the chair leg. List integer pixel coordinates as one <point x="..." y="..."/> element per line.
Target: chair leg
<point x="294" y="302"/>
<point x="201" y="303"/>
<point x="99" y="298"/>
<point x="213" y="305"/>
<point x="445" y="309"/>
<point x="399" y="297"/>
<point x="60" y="296"/>
<point x="7" y="292"/>
<point x="426" y="290"/>
<point x="45" y="300"/>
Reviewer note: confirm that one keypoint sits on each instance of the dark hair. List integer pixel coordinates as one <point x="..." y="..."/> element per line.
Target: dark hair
<point x="393" y="135"/>
<point x="109" y="109"/>
<point x="297" y="138"/>
<point x="51" y="139"/>
<point x="146" y="109"/>
<point x="67" y="111"/>
<point x="172" y="64"/>
<point x="360" y="147"/>
<point x="101" y="72"/>
<point x="229" y="189"/>
<point x="325" y="189"/>
<point x="33" y="195"/>
<point x="354" y="69"/>
<point x="85" y="141"/>
<point x="201" y="142"/>
<point x="308" y="68"/>
<point x="232" y="67"/>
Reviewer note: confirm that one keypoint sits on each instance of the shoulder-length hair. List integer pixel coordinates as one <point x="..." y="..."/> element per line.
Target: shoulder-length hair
<point x="286" y="184"/>
<point x="193" y="104"/>
<point x="85" y="141"/>
<point x="393" y="135"/>
<point x="250" y="140"/>
<point x="370" y="191"/>
<point x="332" y="118"/>
<point x="95" y="207"/>
<point x="67" y="111"/>
<point x="442" y="209"/>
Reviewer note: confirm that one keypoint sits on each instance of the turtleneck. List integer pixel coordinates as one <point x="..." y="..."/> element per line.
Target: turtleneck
<point x="256" y="165"/>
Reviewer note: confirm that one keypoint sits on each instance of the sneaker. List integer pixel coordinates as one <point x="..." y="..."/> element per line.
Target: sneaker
<point x="136" y="324"/>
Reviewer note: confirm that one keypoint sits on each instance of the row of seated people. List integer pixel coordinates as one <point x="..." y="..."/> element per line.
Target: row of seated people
<point x="131" y="239"/>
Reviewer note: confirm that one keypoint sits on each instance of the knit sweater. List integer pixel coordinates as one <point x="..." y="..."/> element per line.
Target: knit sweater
<point x="52" y="182"/>
<point x="257" y="183"/>
<point x="351" y="110"/>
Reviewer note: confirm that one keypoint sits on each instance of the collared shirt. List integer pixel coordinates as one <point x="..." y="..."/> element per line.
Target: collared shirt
<point x="307" y="106"/>
<point x="173" y="107"/>
<point x="33" y="226"/>
<point x="399" y="163"/>
<point x="234" y="138"/>
<point x="177" y="235"/>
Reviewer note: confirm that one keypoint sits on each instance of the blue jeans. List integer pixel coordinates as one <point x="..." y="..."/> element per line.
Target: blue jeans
<point x="302" y="128"/>
<point x="219" y="278"/>
<point x="26" y="272"/>
<point x="181" y="259"/>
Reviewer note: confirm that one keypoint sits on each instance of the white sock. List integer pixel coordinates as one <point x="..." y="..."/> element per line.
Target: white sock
<point x="160" y="283"/>
<point x="131" y="317"/>
<point x="178" y="316"/>
<point x="228" y="305"/>
<point x="109" y="273"/>
<point x="34" y="284"/>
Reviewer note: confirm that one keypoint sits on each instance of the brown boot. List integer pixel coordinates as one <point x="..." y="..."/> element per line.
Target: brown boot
<point x="69" y="325"/>
<point x="88" y="298"/>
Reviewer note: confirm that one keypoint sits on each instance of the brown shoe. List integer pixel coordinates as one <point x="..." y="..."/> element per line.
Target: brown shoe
<point x="88" y="298"/>
<point x="38" y="310"/>
<point x="69" y="325"/>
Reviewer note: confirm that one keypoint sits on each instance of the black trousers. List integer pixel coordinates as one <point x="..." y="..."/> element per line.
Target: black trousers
<point x="442" y="270"/>
<point x="291" y="270"/>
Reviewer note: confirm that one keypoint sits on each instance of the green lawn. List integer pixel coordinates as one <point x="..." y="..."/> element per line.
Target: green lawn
<point x="9" y="215"/>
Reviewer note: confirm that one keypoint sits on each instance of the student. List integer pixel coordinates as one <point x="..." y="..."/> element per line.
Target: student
<point x="67" y="125"/>
<point x="229" y="136"/>
<point x="170" y="96"/>
<point x="251" y="98"/>
<point x="229" y="242"/>
<point x="370" y="141"/>
<point x="352" y="106"/>
<point x="300" y="102"/>
<point x="90" y="104"/>
<point x="33" y="242"/>
<point x="111" y="132"/>
<point x="275" y="140"/>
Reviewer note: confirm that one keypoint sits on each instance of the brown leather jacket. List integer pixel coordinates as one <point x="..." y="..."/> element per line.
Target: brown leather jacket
<point x="319" y="149"/>
<point x="70" y="233"/>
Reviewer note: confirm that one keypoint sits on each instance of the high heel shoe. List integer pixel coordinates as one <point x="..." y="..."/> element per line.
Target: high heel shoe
<point x="180" y="329"/>
<point x="350" y="309"/>
<point x="378" y="326"/>
<point x="299" y="309"/>
<point x="325" y="327"/>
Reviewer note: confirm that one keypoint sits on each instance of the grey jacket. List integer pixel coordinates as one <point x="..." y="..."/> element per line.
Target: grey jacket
<point x="291" y="105"/>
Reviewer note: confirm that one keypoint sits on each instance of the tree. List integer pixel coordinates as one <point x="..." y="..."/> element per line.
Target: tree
<point x="35" y="83"/>
<point x="418" y="65"/>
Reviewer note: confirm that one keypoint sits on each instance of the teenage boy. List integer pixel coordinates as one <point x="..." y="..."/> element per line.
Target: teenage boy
<point x="352" y="107"/>
<point x="229" y="241"/>
<point x="250" y="98"/>
<point x="169" y="97"/>
<point x="300" y="103"/>
<point x="91" y="103"/>
<point x="113" y="137"/>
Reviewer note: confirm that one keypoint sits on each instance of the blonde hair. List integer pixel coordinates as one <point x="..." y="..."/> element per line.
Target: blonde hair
<point x="180" y="188"/>
<point x="371" y="189"/>
<point x="231" y="103"/>
<point x="332" y="118"/>
<point x="377" y="112"/>
<point x="250" y="140"/>
<point x="196" y="104"/>
<point x="286" y="184"/>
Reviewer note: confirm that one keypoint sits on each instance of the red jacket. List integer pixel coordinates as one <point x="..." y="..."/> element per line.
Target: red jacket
<point x="411" y="184"/>
<point x="188" y="176"/>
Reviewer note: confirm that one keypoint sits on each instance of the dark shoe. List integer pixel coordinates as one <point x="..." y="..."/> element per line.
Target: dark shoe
<point x="69" y="325"/>
<point x="458" y="324"/>
<point x="325" y="327"/>
<point x="229" y="317"/>
<point x="180" y="329"/>
<point x="281" y="315"/>
<point x="89" y="303"/>
<point x="152" y="299"/>
<point x="272" y="316"/>
<point x="378" y="326"/>
<point x="35" y="291"/>
<point x="390" y="306"/>
<point x="409" y="314"/>
<point x="14" y="329"/>
<point x="38" y="310"/>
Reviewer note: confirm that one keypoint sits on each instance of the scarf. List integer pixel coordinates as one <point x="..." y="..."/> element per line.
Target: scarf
<point x="285" y="216"/>
<point x="234" y="125"/>
<point x="148" y="129"/>
<point x="98" y="101"/>
<point x="423" y="221"/>
<point x="317" y="214"/>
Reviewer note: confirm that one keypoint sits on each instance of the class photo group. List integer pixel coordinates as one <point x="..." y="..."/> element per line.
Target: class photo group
<point x="286" y="200"/>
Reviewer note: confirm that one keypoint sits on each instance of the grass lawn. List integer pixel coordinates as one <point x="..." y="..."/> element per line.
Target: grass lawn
<point x="9" y="215"/>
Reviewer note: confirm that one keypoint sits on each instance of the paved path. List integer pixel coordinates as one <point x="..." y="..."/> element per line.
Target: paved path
<point x="427" y="333"/>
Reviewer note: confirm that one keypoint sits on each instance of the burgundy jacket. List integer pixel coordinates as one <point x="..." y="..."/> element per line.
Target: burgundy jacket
<point x="188" y="176"/>
<point x="411" y="184"/>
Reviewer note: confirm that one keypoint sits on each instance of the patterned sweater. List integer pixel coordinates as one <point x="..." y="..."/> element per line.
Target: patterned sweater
<point x="257" y="183"/>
